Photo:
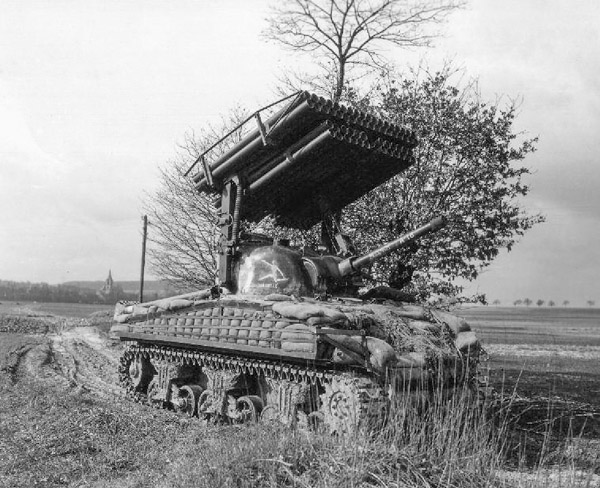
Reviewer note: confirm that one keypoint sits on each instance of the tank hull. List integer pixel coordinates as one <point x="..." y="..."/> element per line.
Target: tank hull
<point x="239" y="358"/>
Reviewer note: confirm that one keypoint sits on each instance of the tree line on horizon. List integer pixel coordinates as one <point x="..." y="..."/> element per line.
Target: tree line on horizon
<point x="539" y="302"/>
<point x="44" y="292"/>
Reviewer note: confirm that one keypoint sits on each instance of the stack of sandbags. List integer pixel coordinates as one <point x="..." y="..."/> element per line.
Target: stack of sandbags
<point x="464" y="338"/>
<point x="380" y="354"/>
<point x="131" y="311"/>
<point x="300" y="337"/>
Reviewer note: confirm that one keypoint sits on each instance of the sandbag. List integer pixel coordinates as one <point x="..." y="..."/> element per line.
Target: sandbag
<point x="411" y="311"/>
<point x="140" y="310"/>
<point x="382" y="354"/>
<point x="119" y="309"/>
<point x="334" y="314"/>
<point x="178" y="303"/>
<point x="298" y="338"/>
<point x="409" y="368"/>
<point x="121" y="318"/>
<point x="200" y="295"/>
<point x="319" y="321"/>
<point x="299" y="311"/>
<point x="422" y="325"/>
<point x="457" y="324"/>
<point x="410" y="360"/>
<point x="467" y="342"/>
<point x="403" y="311"/>
<point x="277" y="297"/>
<point x="279" y="326"/>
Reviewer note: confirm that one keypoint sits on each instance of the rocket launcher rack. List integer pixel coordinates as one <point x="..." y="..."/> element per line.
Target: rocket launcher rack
<point x="309" y="158"/>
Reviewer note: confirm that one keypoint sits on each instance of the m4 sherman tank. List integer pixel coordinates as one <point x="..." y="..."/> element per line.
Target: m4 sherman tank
<point x="283" y="335"/>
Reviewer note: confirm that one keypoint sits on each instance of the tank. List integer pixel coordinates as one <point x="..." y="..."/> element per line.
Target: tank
<point x="284" y="334"/>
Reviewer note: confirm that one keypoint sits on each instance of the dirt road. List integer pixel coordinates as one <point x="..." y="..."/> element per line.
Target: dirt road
<point x="68" y="353"/>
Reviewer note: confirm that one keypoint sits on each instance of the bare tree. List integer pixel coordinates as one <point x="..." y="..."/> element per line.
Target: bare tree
<point x="527" y="301"/>
<point x="566" y="303"/>
<point x="183" y="232"/>
<point x="497" y="302"/>
<point x="551" y="303"/>
<point x="591" y="303"/>
<point x="345" y="34"/>
<point x="516" y="303"/>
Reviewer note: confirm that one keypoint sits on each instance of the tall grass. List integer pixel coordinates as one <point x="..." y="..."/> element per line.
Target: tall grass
<point x="426" y="441"/>
<point x="54" y="438"/>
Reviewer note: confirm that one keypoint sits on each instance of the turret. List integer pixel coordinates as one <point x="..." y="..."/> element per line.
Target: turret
<point x="272" y="269"/>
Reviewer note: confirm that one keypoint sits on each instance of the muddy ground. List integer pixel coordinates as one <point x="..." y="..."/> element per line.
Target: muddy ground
<point x="62" y="351"/>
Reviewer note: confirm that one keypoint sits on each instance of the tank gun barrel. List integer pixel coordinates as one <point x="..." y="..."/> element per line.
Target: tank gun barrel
<point x="352" y="264"/>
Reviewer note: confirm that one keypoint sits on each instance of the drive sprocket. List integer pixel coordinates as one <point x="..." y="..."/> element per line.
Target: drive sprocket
<point x="350" y="403"/>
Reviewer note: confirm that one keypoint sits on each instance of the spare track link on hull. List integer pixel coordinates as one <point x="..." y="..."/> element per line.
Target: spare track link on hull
<point x="347" y="400"/>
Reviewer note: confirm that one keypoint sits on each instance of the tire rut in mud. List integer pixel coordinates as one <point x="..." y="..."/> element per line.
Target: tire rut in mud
<point x="72" y="358"/>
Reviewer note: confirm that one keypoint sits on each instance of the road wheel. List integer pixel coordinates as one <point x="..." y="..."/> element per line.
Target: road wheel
<point x="187" y="399"/>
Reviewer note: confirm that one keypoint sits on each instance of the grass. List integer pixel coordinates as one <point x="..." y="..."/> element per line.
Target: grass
<point x="53" y="436"/>
<point x="74" y="439"/>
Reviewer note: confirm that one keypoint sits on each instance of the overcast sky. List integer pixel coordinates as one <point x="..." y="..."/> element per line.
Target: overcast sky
<point x="94" y="95"/>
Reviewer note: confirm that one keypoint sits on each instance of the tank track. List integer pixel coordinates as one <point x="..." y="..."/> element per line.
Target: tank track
<point x="346" y="400"/>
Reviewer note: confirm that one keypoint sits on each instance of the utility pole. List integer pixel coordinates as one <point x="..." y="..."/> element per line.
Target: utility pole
<point x="145" y="233"/>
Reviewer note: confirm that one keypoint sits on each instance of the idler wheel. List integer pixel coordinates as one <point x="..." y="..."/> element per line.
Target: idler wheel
<point x="135" y="373"/>
<point x="141" y="373"/>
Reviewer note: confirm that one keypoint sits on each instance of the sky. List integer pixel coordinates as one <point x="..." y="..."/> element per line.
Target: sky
<point x="96" y="94"/>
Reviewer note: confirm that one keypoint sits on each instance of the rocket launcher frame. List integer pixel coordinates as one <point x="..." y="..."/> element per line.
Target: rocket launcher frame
<point x="309" y="158"/>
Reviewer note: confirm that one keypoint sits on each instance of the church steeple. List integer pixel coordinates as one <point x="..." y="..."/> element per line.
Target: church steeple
<point x="108" y="286"/>
<point x="110" y="290"/>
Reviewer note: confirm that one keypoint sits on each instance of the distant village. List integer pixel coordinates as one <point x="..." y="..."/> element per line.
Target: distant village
<point x="106" y="292"/>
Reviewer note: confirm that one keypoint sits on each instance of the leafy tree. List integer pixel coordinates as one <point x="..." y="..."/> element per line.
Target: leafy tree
<point x="540" y="302"/>
<point x="591" y="303"/>
<point x="467" y="168"/>
<point x="566" y="303"/>
<point x="497" y="302"/>
<point x="346" y="35"/>
<point x="527" y="302"/>
<point x="551" y="303"/>
<point x="516" y="303"/>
